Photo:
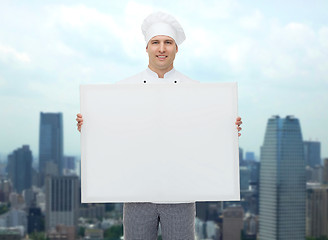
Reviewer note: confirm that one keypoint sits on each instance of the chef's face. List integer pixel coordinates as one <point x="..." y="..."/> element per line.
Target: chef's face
<point x="161" y="51"/>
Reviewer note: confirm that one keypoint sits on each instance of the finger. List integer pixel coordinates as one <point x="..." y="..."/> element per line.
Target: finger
<point x="239" y="128"/>
<point x="238" y="118"/>
<point x="79" y="115"/>
<point x="238" y="123"/>
<point x="239" y="134"/>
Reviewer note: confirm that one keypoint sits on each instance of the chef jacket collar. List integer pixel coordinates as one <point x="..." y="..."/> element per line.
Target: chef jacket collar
<point x="152" y="74"/>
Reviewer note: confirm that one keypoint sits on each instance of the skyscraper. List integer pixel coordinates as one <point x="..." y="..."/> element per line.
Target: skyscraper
<point x="325" y="171"/>
<point x="20" y="168"/>
<point x="250" y="156"/>
<point x="312" y="153"/>
<point x="282" y="181"/>
<point x="241" y="156"/>
<point x="232" y="222"/>
<point x="51" y="141"/>
<point x="317" y="210"/>
<point x="62" y="201"/>
<point x="245" y="177"/>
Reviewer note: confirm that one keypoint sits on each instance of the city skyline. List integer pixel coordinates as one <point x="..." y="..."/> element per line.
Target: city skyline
<point x="244" y="152"/>
<point x="276" y="54"/>
<point x="282" y="192"/>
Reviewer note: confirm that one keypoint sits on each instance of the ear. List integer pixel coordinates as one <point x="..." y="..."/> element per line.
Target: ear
<point x="176" y="47"/>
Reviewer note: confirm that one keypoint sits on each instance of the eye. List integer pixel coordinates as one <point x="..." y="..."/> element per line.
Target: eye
<point x="168" y="42"/>
<point x="155" y="42"/>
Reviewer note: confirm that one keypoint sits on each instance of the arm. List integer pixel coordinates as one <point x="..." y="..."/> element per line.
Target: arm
<point x="238" y="123"/>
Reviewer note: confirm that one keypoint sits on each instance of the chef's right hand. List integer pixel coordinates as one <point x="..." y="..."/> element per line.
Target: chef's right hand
<point x="79" y="120"/>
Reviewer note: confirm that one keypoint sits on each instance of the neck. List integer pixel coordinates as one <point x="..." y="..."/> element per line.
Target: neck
<point x="161" y="72"/>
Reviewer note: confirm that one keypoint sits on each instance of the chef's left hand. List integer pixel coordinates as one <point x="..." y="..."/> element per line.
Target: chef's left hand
<point x="238" y="123"/>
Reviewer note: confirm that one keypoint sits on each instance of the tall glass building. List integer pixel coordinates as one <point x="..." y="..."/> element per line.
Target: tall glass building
<point x="51" y="141"/>
<point x="20" y="168"/>
<point x="282" y="181"/>
<point x="312" y="154"/>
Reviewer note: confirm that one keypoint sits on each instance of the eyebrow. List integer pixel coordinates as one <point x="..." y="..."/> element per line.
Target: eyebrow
<point x="164" y="40"/>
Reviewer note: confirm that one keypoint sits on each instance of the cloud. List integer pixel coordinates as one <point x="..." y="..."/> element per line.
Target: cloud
<point x="253" y="21"/>
<point x="323" y="38"/>
<point x="279" y="61"/>
<point x="2" y="81"/>
<point x="207" y="10"/>
<point x="8" y="54"/>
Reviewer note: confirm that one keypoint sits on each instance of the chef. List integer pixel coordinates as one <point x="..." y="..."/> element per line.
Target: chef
<point x="163" y="35"/>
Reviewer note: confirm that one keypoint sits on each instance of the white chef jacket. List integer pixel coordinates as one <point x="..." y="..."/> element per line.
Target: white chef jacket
<point x="173" y="76"/>
<point x="148" y="76"/>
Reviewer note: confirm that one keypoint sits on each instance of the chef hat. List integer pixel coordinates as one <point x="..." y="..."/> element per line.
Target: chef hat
<point x="160" y="23"/>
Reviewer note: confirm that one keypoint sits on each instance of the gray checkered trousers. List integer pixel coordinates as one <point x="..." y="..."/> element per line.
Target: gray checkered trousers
<point x="141" y="221"/>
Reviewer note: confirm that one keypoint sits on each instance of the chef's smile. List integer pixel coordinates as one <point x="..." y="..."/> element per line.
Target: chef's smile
<point x="161" y="50"/>
<point x="161" y="57"/>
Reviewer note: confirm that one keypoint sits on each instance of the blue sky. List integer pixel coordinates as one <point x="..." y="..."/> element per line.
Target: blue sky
<point x="277" y="51"/>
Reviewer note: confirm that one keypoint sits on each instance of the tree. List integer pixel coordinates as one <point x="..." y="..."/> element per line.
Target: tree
<point x="81" y="231"/>
<point x="38" y="236"/>
<point x="114" y="232"/>
<point x="3" y="208"/>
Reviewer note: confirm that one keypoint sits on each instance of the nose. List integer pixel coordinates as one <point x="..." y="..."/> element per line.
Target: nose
<point x="162" y="47"/>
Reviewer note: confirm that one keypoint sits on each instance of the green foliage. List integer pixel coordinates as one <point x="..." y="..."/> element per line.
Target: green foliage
<point x="81" y="231"/>
<point x="3" y="208"/>
<point x="38" y="236"/>
<point x="114" y="233"/>
<point x="319" y="238"/>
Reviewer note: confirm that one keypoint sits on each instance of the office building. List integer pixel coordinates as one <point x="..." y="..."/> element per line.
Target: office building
<point x="34" y="220"/>
<point x="14" y="218"/>
<point x="206" y="211"/>
<point x="11" y="233"/>
<point x="5" y="190"/>
<point x="50" y="142"/>
<point x="69" y="162"/>
<point x="92" y="211"/>
<point x="316" y="210"/>
<point x="62" y="201"/>
<point x="282" y="181"/>
<point x="245" y="177"/>
<point x="312" y="154"/>
<point x="241" y="156"/>
<point x="20" y="168"/>
<point x="314" y="174"/>
<point x="255" y="171"/>
<point x="233" y="223"/>
<point x="250" y="156"/>
<point x="325" y="171"/>
<point x="251" y="224"/>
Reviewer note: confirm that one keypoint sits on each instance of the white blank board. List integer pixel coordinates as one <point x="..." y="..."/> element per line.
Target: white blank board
<point x="159" y="142"/>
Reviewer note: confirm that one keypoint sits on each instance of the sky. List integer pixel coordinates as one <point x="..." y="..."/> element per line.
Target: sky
<point x="277" y="51"/>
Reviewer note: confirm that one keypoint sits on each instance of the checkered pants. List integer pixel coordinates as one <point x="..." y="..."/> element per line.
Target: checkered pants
<point x="141" y="221"/>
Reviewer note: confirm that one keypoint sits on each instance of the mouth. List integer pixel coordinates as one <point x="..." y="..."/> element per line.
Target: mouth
<point x="161" y="57"/>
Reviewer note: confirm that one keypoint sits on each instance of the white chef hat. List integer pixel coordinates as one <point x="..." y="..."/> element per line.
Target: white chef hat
<point x="160" y="23"/>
